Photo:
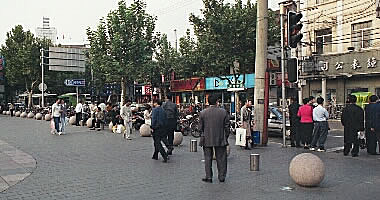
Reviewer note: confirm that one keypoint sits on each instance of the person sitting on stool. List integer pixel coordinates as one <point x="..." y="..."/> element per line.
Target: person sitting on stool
<point x="99" y="115"/>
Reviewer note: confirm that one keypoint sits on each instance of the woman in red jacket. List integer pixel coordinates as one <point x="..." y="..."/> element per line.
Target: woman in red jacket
<point x="305" y="112"/>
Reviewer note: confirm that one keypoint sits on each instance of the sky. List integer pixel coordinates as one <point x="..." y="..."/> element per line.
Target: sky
<point x="71" y="18"/>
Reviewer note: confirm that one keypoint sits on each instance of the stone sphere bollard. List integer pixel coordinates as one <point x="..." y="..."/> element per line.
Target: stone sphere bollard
<point x="47" y="117"/>
<point x="30" y="115"/>
<point x="17" y="114"/>
<point x="178" y="138"/>
<point x="38" y="116"/>
<point x="8" y="113"/>
<point x="23" y="114"/>
<point x="72" y="120"/>
<point x="89" y="123"/>
<point x="145" y="130"/>
<point x="110" y="125"/>
<point x="307" y="170"/>
<point x="4" y="112"/>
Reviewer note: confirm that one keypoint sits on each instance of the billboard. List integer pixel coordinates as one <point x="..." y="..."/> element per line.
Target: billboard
<point x="219" y="83"/>
<point x="66" y="59"/>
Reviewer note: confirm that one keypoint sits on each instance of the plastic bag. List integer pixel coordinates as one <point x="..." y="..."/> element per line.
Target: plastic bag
<point x="52" y="126"/>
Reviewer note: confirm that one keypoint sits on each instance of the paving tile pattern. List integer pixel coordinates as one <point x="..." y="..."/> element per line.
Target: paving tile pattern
<point x="100" y="165"/>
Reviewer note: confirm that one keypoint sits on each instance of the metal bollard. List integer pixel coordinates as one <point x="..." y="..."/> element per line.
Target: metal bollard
<point x="193" y="145"/>
<point x="254" y="162"/>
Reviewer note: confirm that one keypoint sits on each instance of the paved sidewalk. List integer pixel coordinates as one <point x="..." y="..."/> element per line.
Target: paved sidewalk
<point x="15" y="165"/>
<point x="100" y="165"/>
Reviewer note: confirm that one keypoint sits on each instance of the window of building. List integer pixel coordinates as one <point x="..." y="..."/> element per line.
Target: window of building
<point x="361" y="35"/>
<point x="323" y="41"/>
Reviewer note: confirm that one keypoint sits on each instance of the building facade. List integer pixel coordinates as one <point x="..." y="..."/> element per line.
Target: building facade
<point x="342" y="48"/>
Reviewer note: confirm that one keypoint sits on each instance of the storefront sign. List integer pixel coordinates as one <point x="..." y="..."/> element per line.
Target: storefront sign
<point x="187" y="85"/>
<point x="216" y="83"/>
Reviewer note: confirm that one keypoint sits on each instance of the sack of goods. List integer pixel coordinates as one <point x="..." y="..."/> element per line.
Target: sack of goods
<point x="241" y="135"/>
<point x="119" y="129"/>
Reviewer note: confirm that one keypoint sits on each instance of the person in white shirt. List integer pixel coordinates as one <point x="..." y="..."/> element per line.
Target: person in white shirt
<point x="56" y="111"/>
<point x="321" y="126"/>
<point x="126" y="115"/>
<point x="102" y="106"/>
<point x="148" y="115"/>
<point x="78" y="112"/>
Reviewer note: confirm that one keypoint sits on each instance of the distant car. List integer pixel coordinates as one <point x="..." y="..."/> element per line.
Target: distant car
<point x="275" y="121"/>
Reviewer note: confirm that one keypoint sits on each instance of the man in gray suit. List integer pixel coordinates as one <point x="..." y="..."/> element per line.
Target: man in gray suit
<point x="214" y="127"/>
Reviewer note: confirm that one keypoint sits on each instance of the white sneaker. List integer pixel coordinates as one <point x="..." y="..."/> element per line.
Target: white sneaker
<point x="312" y="149"/>
<point x="128" y="138"/>
<point x="59" y="133"/>
<point x="321" y="150"/>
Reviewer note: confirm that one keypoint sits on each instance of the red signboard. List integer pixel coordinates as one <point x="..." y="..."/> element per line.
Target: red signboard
<point x="187" y="85"/>
<point x="279" y="79"/>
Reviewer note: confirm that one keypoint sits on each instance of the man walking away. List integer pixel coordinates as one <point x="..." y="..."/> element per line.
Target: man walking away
<point x="159" y="122"/>
<point x="295" y="136"/>
<point x="126" y="115"/>
<point x="78" y="112"/>
<point x="56" y="111"/>
<point x="321" y="126"/>
<point x="371" y="125"/>
<point x="353" y="121"/>
<point x="305" y="112"/>
<point x="172" y="115"/>
<point x="63" y="117"/>
<point x="214" y="126"/>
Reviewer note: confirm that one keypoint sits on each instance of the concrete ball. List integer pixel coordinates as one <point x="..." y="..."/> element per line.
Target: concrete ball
<point x="38" y="116"/>
<point x="72" y="120"/>
<point x="8" y="112"/>
<point x="23" y="114"/>
<point x="31" y="115"/>
<point x="17" y="114"/>
<point x="307" y="170"/>
<point x="89" y="123"/>
<point x="47" y="117"/>
<point x="178" y="138"/>
<point x="145" y="131"/>
<point x="4" y="112"/>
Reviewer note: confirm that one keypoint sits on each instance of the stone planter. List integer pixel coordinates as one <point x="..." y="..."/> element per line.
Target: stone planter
<point x="72" y="120"/>
<point x="17" y="114"/>
<point x="307" y="170"/>
<point x="4" y="112"/>
<point x="30" y="115"/>
<point x="23" y="115"/>
<point x="89" y="123"/>
<point x="178" y="138"/>
<point x="145" y="131"/>
<point x="38" y="116"/>
<point x="47" y="117"/>
<point x="8" y="113"/>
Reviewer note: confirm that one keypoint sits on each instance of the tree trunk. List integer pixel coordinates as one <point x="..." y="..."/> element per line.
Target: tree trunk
<point x="123" y="90"/>
<point x="30" y="99"/>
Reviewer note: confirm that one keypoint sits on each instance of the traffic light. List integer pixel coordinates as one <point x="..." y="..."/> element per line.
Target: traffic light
<point x="292" y="70"/>
<point x="294" y="28"/>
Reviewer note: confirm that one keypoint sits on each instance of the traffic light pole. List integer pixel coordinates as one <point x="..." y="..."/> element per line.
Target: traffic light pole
<point x="283" y="59"/>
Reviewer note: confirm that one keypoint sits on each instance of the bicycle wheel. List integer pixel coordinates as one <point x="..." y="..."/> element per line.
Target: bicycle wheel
<point x="194" y="126"/>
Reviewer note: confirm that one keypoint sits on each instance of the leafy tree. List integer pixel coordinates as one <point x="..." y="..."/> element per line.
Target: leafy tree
<point x="22" y="54"/>
<point x="123" y="43"/>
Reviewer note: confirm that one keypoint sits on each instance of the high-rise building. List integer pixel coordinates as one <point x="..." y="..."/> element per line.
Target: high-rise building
<point x="46" y="31"/>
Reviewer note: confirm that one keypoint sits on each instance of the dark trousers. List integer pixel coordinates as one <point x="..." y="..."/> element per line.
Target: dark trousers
<point x="56" y="123"/>
<point x="157" y="138"/>
<point x="221" y="161"/>
<point x="295" y="137"/>
<point x="306" y="133"/>
<point x="96" y="123"/>
<point x="371" y="141"/>
<point x="348" y="146"/>
<point x="172" y="125"/>
<point x="78" y="117"/>
<point x="11" y="112"/>
<point x="320" y="134"/>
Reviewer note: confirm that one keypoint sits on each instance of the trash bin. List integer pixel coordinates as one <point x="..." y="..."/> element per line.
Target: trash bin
<point x="256" y="137"/>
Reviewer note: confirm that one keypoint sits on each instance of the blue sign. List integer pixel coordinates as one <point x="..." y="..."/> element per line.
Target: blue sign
<point x="216" y="83"/>
<point x="75" y="82"/>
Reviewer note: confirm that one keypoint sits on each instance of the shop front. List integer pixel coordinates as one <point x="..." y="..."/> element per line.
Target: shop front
<point x="188" y="90"/>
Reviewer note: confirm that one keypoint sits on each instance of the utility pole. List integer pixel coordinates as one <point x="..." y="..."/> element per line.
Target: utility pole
<point x="260" y="67"/>
<point x="298" y="55"/>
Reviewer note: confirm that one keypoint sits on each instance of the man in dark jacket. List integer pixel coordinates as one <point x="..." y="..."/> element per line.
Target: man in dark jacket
<point x="295" y="138"/>
<point x="370" y="124"/>
<point x="214" y="127"/>
<point x="353" y="122"/>
<point x="172" y="115"/>
<point x="159" y="122"/>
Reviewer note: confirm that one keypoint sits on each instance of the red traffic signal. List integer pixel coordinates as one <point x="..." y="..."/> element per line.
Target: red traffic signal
<point x="294" y="28"/>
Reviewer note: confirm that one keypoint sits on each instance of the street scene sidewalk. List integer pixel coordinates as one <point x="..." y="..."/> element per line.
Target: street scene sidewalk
<point x="101" y="165"/>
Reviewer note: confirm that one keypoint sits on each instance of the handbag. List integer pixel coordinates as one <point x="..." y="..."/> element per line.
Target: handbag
<point x="52" y="126"/>
<point x="241" y="135"/>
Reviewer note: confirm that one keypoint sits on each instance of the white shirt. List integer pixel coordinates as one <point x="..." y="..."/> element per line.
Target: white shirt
<point x="148" y="117"/>
<point x="102" y="106"/>
<point x="320" y="114"/>
<point x="126" y="113"/>
<point x="55" y="110"/>
<point x="79" y="108"/>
